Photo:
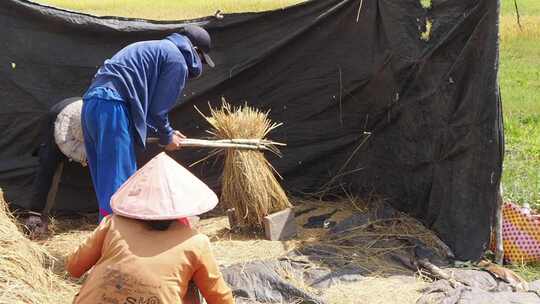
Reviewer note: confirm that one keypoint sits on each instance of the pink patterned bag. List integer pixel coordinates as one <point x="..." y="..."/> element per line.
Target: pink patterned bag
<point x="521" y="234"/>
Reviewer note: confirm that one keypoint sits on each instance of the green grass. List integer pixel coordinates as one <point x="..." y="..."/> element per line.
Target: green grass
<point x="425" y="3"/>
<point x="526" y="7"/>
<point x="519" y="76"/>
<point x="167" y="9"/>
<point x="530" y="272"/>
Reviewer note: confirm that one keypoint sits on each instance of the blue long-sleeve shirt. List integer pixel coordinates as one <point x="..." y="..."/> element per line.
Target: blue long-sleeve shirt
<point x="150" y="76"/>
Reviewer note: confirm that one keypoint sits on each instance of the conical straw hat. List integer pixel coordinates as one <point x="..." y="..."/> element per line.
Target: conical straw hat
<point x="163" y="190"/>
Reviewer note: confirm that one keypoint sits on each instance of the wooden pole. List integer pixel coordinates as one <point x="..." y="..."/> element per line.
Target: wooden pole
<point x="499" y="249"/>
<point x="241" y="144"/>
<point x="51" y="197"/>
<point x="517" y="15"/>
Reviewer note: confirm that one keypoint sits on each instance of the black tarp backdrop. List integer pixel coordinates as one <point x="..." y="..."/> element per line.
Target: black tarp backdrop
<point x="337" y="73"/>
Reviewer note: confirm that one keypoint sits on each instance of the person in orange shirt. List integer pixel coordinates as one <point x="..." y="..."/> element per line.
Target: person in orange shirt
<point x="142" y="253"/>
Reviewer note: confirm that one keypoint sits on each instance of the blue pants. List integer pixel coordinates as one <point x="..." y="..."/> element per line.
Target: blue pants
<point x="109" y="143"/>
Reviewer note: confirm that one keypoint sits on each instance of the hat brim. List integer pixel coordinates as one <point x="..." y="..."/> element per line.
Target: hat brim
<point x="208" y="60"/>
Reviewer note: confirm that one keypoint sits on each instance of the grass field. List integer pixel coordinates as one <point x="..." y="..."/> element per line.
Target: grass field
<point x="520" y="85"/>
<point x="167" y="9"/>
<point x="519" y="76"/>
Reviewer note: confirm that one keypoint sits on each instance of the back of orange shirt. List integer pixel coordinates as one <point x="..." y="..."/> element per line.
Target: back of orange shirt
<point x="133" y="264"/>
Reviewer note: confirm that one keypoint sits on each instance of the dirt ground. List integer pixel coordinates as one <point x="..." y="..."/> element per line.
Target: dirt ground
<point x="230" y="248"/>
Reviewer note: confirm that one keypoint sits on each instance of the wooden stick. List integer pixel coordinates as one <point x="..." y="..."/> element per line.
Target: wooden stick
<point x="444" y="247"/>
<point x="497" y="228"/>
<point x="51" y="196"/>
<point x="359" y="10"/>
<point x="517" y="14"/>
<point x="248" y="141"/>
<point x="210" y="144"/>
<point x="244" y="144"/>
<point x="434" y="270"/>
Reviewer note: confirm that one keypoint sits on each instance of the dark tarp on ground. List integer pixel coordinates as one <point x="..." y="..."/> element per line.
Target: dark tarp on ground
<point x="305" y="274"/>
<point x="478" y="287"/>
<point x="266" y="282"/>
<point x="329" y="71"/>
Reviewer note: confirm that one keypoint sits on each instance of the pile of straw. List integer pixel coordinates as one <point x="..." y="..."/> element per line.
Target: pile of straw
<point x="370" y="246"/>
<point x="377" y="245"/>
<point x="25" y="267"/>
<point x="249" y="183"/>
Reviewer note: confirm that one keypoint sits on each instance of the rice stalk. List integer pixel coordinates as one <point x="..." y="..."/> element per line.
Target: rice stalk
<point x="25" y="267"/>
<point x="249" y="183"/>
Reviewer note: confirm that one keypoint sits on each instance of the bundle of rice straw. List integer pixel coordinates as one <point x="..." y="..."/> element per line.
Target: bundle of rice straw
<point x="249" y="183"/>
<point x="24" y="277"/>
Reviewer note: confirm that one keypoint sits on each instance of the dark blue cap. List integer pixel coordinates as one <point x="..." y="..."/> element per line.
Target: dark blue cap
<point x="200" y="39"/>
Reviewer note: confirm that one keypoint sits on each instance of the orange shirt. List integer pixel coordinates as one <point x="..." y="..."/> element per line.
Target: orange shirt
<point x="133" y="264"/>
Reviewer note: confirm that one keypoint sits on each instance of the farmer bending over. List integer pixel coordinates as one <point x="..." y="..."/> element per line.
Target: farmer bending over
<point x="49" y="159"/>
<point x="133" y="91"/>
<point x="143" y="253"/>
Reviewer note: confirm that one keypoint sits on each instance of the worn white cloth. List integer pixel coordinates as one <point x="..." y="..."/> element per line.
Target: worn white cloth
<point x="68" y="132"/>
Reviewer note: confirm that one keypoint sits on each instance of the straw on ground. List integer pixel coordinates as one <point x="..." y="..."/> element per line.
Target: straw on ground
<point x="26" y="274"/>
